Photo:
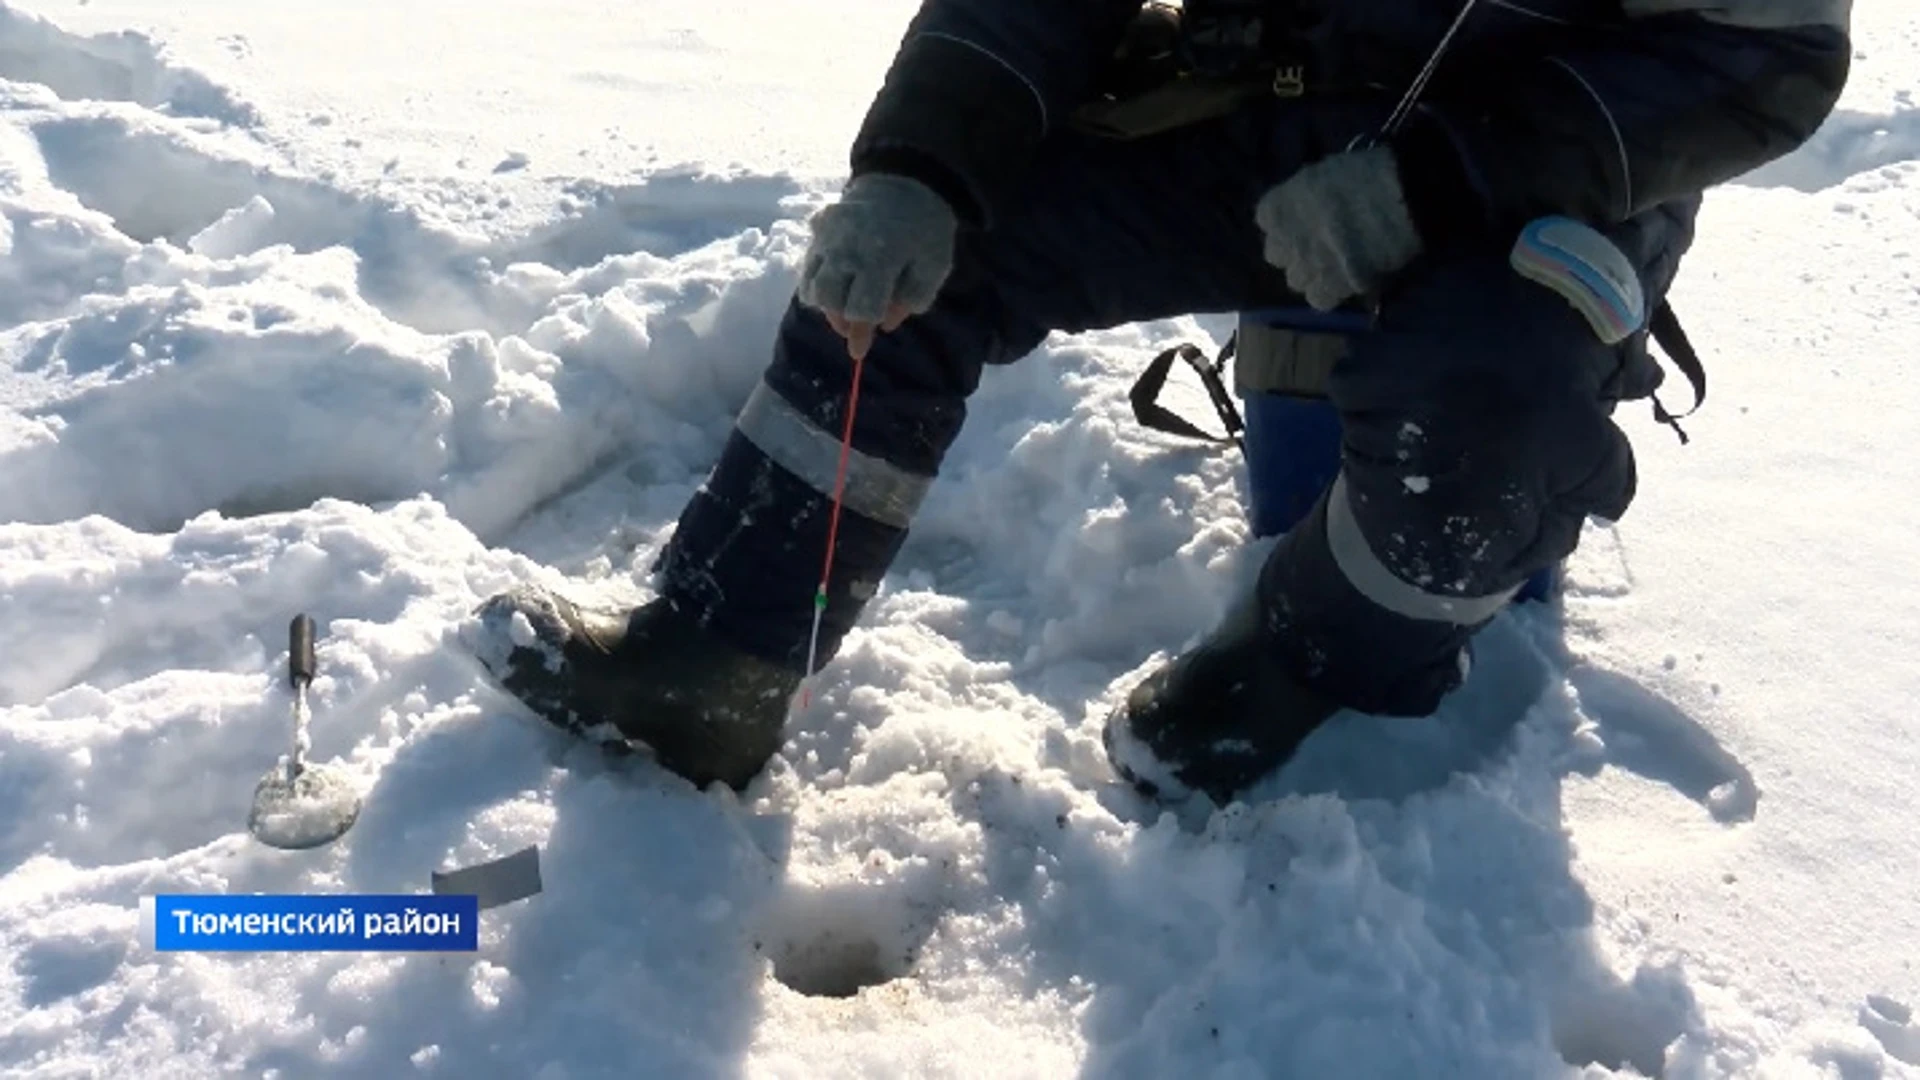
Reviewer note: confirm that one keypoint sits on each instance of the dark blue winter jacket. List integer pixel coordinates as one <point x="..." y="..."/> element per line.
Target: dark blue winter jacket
<point x="1599" y="109"/>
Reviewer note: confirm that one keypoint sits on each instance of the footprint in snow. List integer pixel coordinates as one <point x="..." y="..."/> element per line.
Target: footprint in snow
<point x="1645" y="733"/>
<point x="1891" y="1022"/>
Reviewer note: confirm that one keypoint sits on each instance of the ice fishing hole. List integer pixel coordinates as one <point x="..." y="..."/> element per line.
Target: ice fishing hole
<point x="836" y="941"/>
<point x="836" y="965"/>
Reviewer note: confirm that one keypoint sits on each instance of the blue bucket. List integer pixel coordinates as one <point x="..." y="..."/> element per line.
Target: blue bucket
<point x="1293" y="452"/>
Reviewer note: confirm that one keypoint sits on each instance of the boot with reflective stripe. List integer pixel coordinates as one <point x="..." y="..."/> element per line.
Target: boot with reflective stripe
<point x="708" y="712"/>
<point x="746" y="556"/>
<point x="1216" y="718"/>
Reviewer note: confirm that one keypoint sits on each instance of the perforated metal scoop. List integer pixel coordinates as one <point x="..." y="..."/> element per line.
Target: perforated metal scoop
<point x="300" y="804"/>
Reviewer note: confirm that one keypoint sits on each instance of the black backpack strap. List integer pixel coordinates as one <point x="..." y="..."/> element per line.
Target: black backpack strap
<point x="1663" y="324"/>
<point x="1151" y="414"/>
<point x="1672" y="338"/>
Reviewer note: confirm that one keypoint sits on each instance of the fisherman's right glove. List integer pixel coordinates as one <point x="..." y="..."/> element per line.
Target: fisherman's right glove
<point x="878" y="255"/>
<point x="1339" y="227"/>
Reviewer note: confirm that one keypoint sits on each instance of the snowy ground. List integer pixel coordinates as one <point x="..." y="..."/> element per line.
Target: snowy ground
<point x="371" y="312"/>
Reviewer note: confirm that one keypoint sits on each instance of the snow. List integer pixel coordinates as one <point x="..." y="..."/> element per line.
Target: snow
<point x="375" y="313"/>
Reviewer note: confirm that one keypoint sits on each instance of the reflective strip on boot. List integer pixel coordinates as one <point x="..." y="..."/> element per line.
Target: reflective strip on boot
<point x="1373" y="580"/>
<point x="876" y="489"/>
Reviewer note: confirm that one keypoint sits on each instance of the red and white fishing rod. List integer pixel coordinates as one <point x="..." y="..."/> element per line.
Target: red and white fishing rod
<point x="805" y="696"/>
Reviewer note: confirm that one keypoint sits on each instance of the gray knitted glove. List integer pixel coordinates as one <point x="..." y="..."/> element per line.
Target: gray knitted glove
<point x="878" y="255"/>
<point x="1339" y="227"/>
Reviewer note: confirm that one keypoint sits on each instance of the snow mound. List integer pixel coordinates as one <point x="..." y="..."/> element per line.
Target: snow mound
<point x="126" y="67"/>
<point x="1850" y="144"/>
<point x="197" y="331"/>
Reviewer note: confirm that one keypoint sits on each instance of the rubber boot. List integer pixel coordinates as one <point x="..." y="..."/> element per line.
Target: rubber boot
<point x="653" y="676"/>
<point x="1215" y="719"/>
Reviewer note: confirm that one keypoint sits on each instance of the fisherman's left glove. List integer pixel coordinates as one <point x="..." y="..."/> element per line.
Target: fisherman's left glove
<point x="1339" y="227"/>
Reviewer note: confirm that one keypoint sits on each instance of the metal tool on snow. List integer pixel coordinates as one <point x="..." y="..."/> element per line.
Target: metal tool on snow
<point x="299" y="804"/>
<point x="804" y="696"/>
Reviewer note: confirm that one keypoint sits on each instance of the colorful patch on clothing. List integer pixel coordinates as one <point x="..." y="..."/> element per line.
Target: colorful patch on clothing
<point x="1581" y="264"/>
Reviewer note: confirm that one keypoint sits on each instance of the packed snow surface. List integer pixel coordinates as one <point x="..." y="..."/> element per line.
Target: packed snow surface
<point x="371" y="310"/>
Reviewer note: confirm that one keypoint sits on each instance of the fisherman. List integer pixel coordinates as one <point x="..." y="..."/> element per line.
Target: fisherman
<point x="1503" y="189"/>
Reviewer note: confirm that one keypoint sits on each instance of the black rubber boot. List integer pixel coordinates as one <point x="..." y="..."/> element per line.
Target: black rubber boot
<point x="707" y="711"/>
<point x="1214" y="719"/>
